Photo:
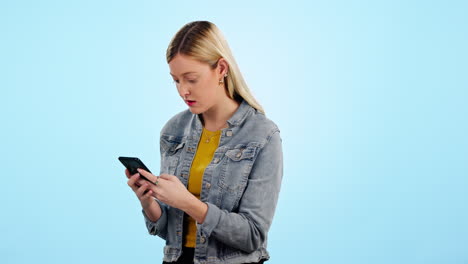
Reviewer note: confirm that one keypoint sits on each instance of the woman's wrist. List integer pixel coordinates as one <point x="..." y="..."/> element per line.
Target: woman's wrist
<point x="196" y="209"/>
<point x="153" y="211"/>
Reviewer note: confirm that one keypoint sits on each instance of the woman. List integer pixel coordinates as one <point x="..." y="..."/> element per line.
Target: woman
<point x="221" y="160"/>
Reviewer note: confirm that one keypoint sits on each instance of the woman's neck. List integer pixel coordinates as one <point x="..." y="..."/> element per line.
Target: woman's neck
<point x="216" y="117"/>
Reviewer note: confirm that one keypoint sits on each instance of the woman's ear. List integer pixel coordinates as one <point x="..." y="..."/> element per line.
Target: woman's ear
<point x="223" y="67"/>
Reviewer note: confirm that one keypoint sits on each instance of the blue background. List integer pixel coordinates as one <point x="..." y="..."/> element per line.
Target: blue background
<point x="370" y="96"/>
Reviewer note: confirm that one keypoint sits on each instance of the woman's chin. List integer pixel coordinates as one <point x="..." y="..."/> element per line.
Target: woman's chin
<point x="195" y="110"/>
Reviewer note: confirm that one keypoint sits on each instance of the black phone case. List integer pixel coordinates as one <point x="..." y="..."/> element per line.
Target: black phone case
<point x="132" y="164"/>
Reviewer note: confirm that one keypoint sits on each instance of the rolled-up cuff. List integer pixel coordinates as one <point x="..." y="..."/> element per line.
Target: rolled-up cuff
<point x="155" y="228"/>
<point x="211" y="220"/>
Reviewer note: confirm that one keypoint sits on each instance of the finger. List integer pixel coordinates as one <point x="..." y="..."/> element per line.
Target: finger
<point x="157" y="181"/>
<point x="132" y="181"/>
<point x="148" y="175"/>
<point x="127" y="173"/>
<point x="135" y="177"/>
<point x="149" y="189"/>
<point x="147" y="195"/>
<point x="141" y="190"/>
<point x="141" y="182"/>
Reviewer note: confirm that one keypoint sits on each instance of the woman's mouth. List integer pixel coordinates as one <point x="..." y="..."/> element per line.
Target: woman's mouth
<point x="190" y="102"/>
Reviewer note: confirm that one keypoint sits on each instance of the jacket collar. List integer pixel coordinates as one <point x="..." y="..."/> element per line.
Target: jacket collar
<point x="241" y="113"/>
<point x="237" y="118"/>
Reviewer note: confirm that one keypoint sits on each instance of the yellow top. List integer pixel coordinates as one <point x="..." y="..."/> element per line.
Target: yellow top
<point x="206" y="148"/>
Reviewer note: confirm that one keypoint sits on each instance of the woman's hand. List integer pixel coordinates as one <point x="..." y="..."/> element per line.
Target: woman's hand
<point x="141" y="189"/>
<point x="169" y="189"/>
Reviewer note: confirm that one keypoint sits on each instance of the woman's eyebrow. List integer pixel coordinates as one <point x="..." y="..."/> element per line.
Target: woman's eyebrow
<point x="182" y="73"/>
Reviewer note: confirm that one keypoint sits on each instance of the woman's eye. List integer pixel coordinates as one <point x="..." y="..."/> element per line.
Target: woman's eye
<point x="190" y="81"/>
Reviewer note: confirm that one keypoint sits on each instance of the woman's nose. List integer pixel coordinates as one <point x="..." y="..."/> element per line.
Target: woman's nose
<point x="183" y="91"/>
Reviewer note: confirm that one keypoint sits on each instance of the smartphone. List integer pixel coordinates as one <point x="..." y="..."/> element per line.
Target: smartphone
<point x="132" y="164"/>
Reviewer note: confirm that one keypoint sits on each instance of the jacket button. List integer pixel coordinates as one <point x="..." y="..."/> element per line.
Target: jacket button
<point x="229" y="133"/>
<point x="238" y="155"/>
<point x="208" y="185"/>
<point x="202" y="239"/>
<point x="216" y="160"/>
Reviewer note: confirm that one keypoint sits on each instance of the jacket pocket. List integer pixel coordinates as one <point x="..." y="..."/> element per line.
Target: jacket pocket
<point x="237" y="166"/>
<point x="171" y="148"/>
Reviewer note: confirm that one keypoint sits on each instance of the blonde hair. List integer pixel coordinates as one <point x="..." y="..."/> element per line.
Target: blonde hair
<point x="203" y="41"/>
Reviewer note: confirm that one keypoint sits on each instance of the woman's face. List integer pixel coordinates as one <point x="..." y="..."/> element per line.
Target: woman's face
<point x="197" y="83"/>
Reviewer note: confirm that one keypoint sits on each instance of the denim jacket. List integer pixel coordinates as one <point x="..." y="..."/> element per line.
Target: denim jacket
<point x="240" y="186"/>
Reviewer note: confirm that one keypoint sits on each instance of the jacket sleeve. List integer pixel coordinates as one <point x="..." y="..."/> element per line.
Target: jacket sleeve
<point x="158" y="228"/>
<point x="247" y="229"/>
